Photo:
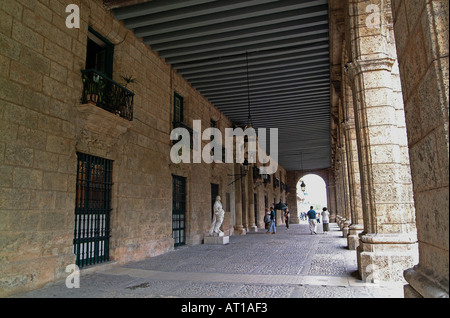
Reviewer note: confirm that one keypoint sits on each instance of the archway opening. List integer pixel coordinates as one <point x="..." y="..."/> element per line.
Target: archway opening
<point x="315" y="194"/>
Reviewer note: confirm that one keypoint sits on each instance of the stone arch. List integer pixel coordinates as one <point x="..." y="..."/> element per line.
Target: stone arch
<point x="293" y="177"/>
<point x="307" y="178"/>
<point x="323" y="173"/>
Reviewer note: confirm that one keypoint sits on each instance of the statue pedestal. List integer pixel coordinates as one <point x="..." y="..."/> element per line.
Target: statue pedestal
<point x="215" y="239"/>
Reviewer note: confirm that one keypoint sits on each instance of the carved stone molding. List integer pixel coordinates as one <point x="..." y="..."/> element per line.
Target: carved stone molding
<point x="99" y="130"/>
<point x="420" y="285"/>
<point x="98" y="120"/>
<point x="370" y="65"/>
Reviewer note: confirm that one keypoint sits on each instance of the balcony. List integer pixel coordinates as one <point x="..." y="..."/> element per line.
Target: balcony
<point x="102" y="91"/>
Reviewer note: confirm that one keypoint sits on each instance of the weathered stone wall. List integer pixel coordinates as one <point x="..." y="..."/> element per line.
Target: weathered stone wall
<point x="43" y="125"/>
<point x="40" y="83"/>
<point x="422" y="33"/>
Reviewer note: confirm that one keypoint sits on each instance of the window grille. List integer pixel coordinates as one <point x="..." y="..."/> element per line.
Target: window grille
<point x="92" y="210"/>
<point x="178" y="210"/>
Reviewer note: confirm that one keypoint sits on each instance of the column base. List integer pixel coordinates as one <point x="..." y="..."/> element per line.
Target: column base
<point x="332" y="217"/>
<point x="345" y="228"/>
<point x="384" y="257"/>
<point x="252" y="229"/>
<point x="420" y="286"/>
<point x="294" y="220"/>
<point x="353" y="236"/>
<point x="340" y="223"/>
<point x="239" y="230"/>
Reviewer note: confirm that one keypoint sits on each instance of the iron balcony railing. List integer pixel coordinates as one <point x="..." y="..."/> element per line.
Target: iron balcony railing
<point x="107" y="94"/>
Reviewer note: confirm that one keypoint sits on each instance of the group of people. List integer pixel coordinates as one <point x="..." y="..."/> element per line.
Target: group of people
<point x="313" y="216"/>
<point x="270" y="221"/>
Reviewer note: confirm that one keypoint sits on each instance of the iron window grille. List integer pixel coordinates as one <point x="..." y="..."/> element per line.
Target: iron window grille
<point x="178" y="210"/>
<point x="178" y="108"/>
<point x="92" y="210"/>
<point x="178" y="111"/>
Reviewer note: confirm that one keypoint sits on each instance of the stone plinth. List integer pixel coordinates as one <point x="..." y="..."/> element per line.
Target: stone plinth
<point x="353" y="236"/>
<point x="384" y="257"/>
<point x="216" y="240"/>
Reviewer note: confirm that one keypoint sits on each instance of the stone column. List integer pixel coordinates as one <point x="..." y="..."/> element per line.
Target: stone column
<point x="422" y="36"/>
<point x="251" y="203"/>
<point x="331" y="196"/>
<point x="243" y="182"/>
<point x="291" y="182"/>
<point x="346" y="190"/>
<point x="388" y="244"/>
<point x="356" y="226"/>
<point x="338" y="189"/>
<point x="341" y="188"/>
<point x="238" y="227"/>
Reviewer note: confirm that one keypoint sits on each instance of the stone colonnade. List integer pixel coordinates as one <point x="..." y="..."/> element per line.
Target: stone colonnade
<point x="392" y="151"/>
<point x="252" y="196"/>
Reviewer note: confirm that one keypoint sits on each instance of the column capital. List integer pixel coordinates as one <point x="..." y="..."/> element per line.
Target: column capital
<point x="369" y="65"/>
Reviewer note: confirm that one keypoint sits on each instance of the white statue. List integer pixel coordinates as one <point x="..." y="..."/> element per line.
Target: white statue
<point x="217" y="218"/>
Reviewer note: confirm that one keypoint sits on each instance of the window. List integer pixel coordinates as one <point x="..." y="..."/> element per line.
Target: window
<point x="213" y="124"/>
<point x="179" y="210"/>
<point x="92" y="210"/>
<point x="177" y="109"/>
<point x="98" y="86"/>
<point x="100" y="53"/>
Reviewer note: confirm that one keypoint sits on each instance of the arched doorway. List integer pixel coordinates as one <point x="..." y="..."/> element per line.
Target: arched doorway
<point x="315" y="194"/>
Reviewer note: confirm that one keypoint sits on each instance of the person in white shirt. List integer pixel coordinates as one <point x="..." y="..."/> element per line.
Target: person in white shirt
<point x="325" y="220"/>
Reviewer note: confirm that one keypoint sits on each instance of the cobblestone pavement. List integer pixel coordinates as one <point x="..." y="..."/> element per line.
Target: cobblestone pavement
<point x="291" y="264"/>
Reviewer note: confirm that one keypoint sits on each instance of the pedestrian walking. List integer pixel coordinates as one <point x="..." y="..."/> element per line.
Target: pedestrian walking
<point x="312" y="220"/>
<point x="326" y="220"/>
<point x="273" y="226"/>
<point x="286" y="217"/>
<point x="267" y="219"/>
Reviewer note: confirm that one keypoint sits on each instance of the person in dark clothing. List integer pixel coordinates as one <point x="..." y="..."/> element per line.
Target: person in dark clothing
<point x="312" y="220"/>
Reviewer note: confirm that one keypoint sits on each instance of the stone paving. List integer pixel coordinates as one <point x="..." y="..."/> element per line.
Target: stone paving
<point x="290" y="264"/>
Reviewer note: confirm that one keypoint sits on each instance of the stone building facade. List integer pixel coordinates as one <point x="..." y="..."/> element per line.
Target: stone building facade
<point x="45" y="126"/>
<point x="387" y="183"/>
